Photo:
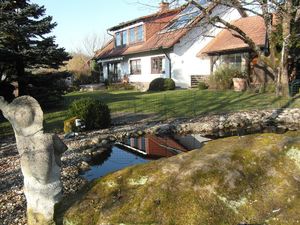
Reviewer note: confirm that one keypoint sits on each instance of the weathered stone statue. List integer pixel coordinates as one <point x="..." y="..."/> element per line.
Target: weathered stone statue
<point x="40" y="155"/>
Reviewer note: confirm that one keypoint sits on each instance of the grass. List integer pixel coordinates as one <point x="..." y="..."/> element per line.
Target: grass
<point x="169" y="104"/>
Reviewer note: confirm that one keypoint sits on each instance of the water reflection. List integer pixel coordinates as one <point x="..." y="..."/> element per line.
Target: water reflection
<point x="139" y="150"/>
<point x="154" y="146"/>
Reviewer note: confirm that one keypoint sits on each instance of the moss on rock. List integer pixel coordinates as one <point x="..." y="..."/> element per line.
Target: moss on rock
<point x="253" y="179"/>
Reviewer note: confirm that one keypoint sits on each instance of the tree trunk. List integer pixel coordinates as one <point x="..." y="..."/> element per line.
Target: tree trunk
<point x="20" y="70"/>
<point x="283" y="79"/>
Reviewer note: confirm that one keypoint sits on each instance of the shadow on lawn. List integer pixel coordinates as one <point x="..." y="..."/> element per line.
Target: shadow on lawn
<point x="105" y="96"/>
<point x="204" y="103"/>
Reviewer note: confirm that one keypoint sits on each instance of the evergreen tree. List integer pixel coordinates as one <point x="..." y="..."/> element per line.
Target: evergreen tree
<point x="25" y="41"/>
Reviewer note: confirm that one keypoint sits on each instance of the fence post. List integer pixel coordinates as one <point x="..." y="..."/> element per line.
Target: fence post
<point x="134" y="106"/>
<point x="165" y="110"/>
<point x="193" y="103"/>
<point x="144" y="105"/>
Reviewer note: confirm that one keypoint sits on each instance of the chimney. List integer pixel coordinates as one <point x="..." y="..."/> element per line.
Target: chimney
<point x="164" y="6"/>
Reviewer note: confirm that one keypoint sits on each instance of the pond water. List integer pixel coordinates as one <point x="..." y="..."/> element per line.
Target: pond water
<point x="139" y="150"/>
<point x="117" y="159"/>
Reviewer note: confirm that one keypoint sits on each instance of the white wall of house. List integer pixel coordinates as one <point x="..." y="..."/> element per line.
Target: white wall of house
<point x="184" y="60"/>
<point x="146" y="75"/>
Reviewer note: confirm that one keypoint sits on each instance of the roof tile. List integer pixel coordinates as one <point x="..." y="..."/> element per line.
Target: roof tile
<point x="253" y="26"/>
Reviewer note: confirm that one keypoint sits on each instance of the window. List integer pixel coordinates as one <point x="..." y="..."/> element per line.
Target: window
<point x="135" y="66"/>
<point x="157" y="65"/>
<point x="124" y="37"/>
<point x="236" y="61"/>
<point x="140" y="33"/>
<point x="132" y="35"/>
<point x="118" y="39"/>
<point x="184" y="18"/>
<point x="233" y="60"/>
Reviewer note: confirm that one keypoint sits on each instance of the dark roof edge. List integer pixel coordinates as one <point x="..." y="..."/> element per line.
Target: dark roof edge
<point x="137" y="52"/>
<point x="232" y="50"/>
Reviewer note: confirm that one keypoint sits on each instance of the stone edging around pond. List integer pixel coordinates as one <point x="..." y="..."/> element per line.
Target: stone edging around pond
<point x="89" y="145"/>
<point x="218" y="125"/>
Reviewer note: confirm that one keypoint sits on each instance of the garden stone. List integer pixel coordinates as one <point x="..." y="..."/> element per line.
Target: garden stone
<point x="84" y="166"/>
<point x="40" y="156"/>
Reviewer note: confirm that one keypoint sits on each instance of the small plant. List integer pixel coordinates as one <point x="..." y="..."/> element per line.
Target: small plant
<point x="157" y="84"/>
<point x="202" y="85"/>
<point x="106" y="83"/>
<point x="267" y="88"/>
<point x="169" y="84"/>
<point x="94" y="113"/>
<point x="222" y="77"/>
<point x="120" y="86"/>
<point x="239" y="74"/>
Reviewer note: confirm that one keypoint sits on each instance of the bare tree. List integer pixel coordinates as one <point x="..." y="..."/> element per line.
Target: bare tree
<point x="287" y="13"/>
<point x="91" y="43"/>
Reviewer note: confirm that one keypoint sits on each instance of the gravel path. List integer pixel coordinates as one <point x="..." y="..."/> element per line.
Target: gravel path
<point x="12" y="199"/>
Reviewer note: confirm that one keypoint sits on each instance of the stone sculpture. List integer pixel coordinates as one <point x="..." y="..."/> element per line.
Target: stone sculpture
<point x="40" y="155"/>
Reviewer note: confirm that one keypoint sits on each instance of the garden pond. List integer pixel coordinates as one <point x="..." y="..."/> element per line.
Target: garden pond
<point x="138" y="150"/>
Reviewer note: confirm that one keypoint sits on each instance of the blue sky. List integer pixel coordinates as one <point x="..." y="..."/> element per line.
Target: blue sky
<point x="78" y="18"/>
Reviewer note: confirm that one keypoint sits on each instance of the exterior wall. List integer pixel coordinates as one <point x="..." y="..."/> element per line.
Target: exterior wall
<point x="184" y="60"/>
<point x="146" y="76"/>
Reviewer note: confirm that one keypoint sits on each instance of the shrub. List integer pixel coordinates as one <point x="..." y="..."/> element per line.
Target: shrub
<point x="161" y="84"/>
<point x="106" y="83"/>
<point x="47" y="88"/>
<point x="169" y="84"/>
<point x="270" y="87"/>
<point x="120" y="86"/>
<point x="94" y="113"/>
<point x="157" y="84"/>
<point x="222" y="77"/>
<point x="202" y="85"/>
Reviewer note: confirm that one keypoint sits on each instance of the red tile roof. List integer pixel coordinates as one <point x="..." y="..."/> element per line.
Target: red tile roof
<point x="146" y="18"/>
<point x="154" y="38"/>
<point x="253" y="26"/>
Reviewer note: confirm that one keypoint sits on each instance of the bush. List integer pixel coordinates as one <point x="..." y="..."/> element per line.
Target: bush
<point x="222" y="77"/>
<point x="169" y="84"/>
<point x="47" y="88"/>
<point x="157" y="84"/>
<point x="161" y="84"/>
<point x="202" y="85"/>
<point x="121" y="86"/>
<point x="270" y="87"/>
<point x="94" y="113"/>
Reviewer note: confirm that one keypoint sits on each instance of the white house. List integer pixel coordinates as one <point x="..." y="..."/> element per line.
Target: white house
<point x="164" y="44"/>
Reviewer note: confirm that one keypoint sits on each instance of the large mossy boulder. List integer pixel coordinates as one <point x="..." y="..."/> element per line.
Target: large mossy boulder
<point x="253" y="179"/>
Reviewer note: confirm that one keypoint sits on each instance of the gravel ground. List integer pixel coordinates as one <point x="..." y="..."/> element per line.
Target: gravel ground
<point x="12" y="199"/>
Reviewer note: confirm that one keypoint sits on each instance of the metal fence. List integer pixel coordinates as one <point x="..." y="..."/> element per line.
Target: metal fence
<point x="131" y="105"/>
<point x="295" y="87"/>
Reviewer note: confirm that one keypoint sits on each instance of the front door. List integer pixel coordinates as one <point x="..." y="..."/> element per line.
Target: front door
<point x="114" y="72"/>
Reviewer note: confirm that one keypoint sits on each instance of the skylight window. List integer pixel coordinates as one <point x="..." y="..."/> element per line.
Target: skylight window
<point x="183" y="19"/>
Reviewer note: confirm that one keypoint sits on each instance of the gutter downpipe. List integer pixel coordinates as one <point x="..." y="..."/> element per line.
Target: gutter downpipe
<point x="170" y="63"/>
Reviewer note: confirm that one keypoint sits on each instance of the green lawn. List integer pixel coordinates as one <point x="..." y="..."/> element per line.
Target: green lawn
<point x="170" y="104"/>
